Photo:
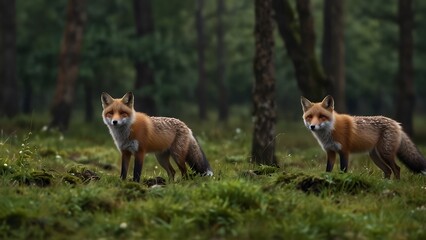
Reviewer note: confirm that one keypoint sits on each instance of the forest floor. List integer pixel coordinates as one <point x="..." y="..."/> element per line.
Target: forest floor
<point x="67" y="186"/>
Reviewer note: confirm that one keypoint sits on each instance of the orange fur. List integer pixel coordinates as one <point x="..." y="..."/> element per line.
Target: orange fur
<point x="143" y="130"/>
<point x="342" y="134"/>
<point x="137" y="134"/>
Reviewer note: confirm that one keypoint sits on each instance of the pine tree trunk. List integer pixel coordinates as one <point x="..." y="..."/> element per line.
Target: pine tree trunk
<point x="264" y="105"/>
<point x="201" y="85"/>
<point x="9" y="99"/>
<point x="223" y="91"/>
<point x="300" y="45"/>
<point x="405" y="98"/>
<point x="69" y="58"/>
<point x="144" y="101"/>
<point x="333" y="50"/>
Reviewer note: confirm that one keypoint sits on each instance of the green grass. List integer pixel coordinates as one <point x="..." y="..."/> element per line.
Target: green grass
<point x="67" y="186"/>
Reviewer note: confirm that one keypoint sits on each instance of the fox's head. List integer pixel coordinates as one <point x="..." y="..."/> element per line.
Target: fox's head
<point x="318" y="116"/>
<point x="117" y="111"/>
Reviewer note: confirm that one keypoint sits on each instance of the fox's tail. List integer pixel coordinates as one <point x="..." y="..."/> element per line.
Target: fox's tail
<point x="410" y="155"/>
<point x="197" y="160"/>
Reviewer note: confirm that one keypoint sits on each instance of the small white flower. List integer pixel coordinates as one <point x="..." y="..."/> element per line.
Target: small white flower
<point x="5" y="164"/>
<point x="58" y="156"/>
<point x="61" y="138"/>
<point x="44" y="128"/>
<point x="123" y="225"/>
<point x="156" y="167"/>
<point x="20" y="152"/>
<point x="238" y="130"/>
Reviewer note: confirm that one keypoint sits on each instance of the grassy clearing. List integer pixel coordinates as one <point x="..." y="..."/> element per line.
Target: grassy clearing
<point x="56" y="186"/>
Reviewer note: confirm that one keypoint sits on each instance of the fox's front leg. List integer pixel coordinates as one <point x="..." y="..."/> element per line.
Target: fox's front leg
<point x="137" y="170"/>
<point x="343" y="161"/>
<point x="125" y="159"/>
<point x="331" y="158"/>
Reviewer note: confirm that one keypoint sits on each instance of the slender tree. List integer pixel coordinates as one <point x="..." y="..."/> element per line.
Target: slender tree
<point x="333" y="50"/>
<point x="405" y="98"/>
<point x="69" y="55"/>
<point x="201" y="85"/>
<point x="9" y="100"/>
<point x="223" y="93"/>
<point x="264" y="105"/>
<point x="299" y="39"/>
<point x="144" y="74"/>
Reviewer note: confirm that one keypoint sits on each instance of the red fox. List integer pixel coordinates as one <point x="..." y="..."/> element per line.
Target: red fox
<point x="382" y="137"/>
<point x="137" y="133"/>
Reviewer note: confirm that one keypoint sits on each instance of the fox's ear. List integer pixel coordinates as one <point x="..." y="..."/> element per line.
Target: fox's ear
<point x="328" y="102"/>
<point x="106" y="99"/>
<point x="306" y="104"/>
<point x="128" y="99"/>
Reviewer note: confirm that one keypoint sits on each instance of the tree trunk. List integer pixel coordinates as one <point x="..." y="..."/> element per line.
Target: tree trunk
<point x="68" y="64"/>
<point x="333" y="50"/>
<point x="405" y="98"/>
<point x="9" y="99"/>
<point x="264" y="105"/>
<point x="201" y="86"/>
<point x="299" y="38"/>
<point x="223" y="92"/>
<point x="144" y="22"/>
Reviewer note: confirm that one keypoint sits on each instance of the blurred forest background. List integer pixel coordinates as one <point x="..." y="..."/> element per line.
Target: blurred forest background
<point x="196" y="57"/>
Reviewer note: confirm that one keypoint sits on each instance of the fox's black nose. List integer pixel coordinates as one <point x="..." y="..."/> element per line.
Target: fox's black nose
<point x="114" y="122"/>
<point x="312" y="127"/>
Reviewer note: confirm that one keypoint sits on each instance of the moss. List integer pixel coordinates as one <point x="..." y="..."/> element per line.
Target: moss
<point x="266" y="170"/>
<point x="85" y="175"/>
<point x="157" y="181"/>
<point x="46" y="152"/>
<point x="15" y="219"/>
<point x="132" y="191"/>
<point x="38" y="178"/>
<point x="319" y="184"/>
<point x="71" y="179"/>
<point x="97" y="203"/>
<point x="235" y="159"/>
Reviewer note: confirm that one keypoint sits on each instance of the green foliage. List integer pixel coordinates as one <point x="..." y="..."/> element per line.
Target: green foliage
<point x="62" y="190"/>
<point x="110" y="48"/>
<point x="326" y="184"/>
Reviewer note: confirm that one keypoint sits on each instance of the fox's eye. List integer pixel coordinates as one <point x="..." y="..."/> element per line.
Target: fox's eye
<point x="110" y="113"/>
<point x="322" y="117"/>
<point x="309" y="117"/>
<point x="123" y="114"/>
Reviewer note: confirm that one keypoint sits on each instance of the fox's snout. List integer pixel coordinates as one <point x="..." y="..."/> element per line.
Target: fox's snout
<point x="116" y="122"/>
<point x="318" y="126"/>
<point x="312" y="127"/>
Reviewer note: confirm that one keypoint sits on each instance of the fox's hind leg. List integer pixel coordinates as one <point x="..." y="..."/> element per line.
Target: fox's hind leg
<point x="380" y="163"/>
<point x="163" y="159"/>
<point x="180" y="161"/>
<point x="179" y="150"/>
<point x="387" y="148"/>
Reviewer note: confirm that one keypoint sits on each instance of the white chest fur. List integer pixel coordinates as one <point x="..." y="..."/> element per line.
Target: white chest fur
<point x="121" y="138"/>
<point x="325" y="139"/>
